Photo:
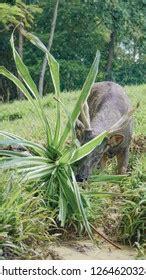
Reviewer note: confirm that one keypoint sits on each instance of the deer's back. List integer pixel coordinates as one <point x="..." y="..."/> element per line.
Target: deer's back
<point x="107" y="102"/>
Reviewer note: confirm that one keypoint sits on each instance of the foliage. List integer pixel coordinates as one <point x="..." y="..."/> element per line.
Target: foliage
<point x="24" y="219"/>
<point x="121" y="211"/>
<point x="11" y="16"/>
<point x="131" y="228"/>
<point x="50" y="165"/>
<point x="14" y="14"/>
<point x="95" y="23"/>
<point x="73" y="74"/>
<point x="82" y="27"/>
<point x="128" y="71"/>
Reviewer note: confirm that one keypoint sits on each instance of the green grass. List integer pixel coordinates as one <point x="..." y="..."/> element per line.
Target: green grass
<point x="18" y="117"/>
<point x="138" y="94"/>
<point x="30" y="127"/>
<point x="24" y="219"/>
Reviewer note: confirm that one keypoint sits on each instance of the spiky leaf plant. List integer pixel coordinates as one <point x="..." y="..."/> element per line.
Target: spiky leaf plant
<point x="51" y="165"/>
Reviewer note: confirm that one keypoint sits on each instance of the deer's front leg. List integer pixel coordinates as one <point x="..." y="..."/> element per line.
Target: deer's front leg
<point x="122" y="161"/>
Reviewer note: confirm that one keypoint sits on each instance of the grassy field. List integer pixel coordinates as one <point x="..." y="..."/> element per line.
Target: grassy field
<point x="25" y="217"/>
<point x="19" y="117"/>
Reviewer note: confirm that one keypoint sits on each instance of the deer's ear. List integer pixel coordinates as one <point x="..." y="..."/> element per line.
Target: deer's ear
<point x="115" y="140"/>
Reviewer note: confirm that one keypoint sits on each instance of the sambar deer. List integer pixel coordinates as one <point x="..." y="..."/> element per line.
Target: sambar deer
<point x="107" y="107"/>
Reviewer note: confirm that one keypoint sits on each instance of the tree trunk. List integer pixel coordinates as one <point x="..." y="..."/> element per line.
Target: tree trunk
<point x="50" y="41"/>
<point x="110" y="55"/>
<point x="20" y="51"/>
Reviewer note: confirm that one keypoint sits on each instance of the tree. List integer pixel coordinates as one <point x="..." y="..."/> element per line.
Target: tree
<point x="14" y="14"/>
<point x="74" y="46"/>
<point x="26" y="21"/>
<point x="82" y="28"/>
<point x="114" y="27"/>
<point x="50" y="41"/>
<point x="122" y="18"/>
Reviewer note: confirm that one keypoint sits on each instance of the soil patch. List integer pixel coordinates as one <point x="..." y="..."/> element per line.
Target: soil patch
<point x="86" y="250"/>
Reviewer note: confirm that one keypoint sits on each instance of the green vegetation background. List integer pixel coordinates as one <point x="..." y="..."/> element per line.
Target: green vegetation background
<point x="82" y="27"/>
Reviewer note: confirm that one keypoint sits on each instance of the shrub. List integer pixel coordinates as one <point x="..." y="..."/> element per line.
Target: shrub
<point x="50" y="165"/>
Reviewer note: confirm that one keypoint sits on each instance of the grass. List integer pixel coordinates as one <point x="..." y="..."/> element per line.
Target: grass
<point x="30" y="127"/>
<point x="138" y="94"/>
<point x="24" y="219"/>
<point x="18" y="117"/>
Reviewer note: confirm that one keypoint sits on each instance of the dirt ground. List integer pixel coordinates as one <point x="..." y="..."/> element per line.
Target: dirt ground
<point x="86" y="250"/>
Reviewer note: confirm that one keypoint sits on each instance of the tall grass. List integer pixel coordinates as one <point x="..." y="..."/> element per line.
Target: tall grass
<point x="24" y="219"/>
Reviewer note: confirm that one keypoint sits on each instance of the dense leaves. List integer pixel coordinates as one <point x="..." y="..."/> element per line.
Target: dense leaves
<point x="82" y="27"/>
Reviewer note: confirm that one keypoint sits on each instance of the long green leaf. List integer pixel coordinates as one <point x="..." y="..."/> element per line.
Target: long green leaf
<point x="33" y="168"/>
<point x="18" y="83"/>
<point x="50" y="185"/>
<point x="68" y="154"/>
<point x="54" y="66"/>
<point x="38" y="174"/>
<point x="54" y="69"/>
<point x="25" y="75"/>
<point x="88" y="147"/>
<point x="80" y="206"/>
<point x="42" y="151"/>
<point x="34" y="40"/>
<point x="11" y="153"/>
<point x="67" y="190"/>
<point x="11" y="135"/>
<point x="8" y="163"/>
<point x="23" y="70"/>
<point x="69" y="119"/>
<point x="83" y="96"/>
<point x="107" y="178"/>
<point x="48" y="152"/>
<point x="62" y="208"/>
